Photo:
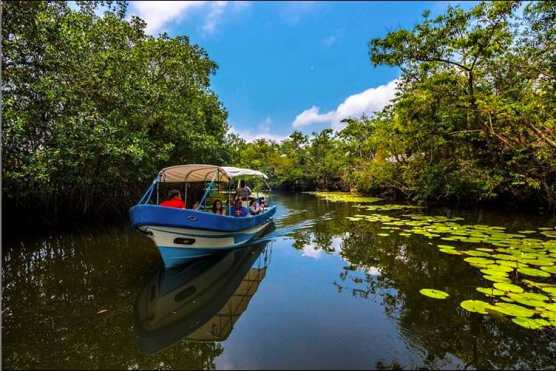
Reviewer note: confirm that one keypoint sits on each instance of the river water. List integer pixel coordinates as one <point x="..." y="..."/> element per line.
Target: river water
<point x="319" y="291"/>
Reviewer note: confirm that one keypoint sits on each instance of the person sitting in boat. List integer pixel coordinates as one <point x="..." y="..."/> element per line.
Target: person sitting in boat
<point x="217" y="208"/>
<point x="174" y="200"/>
<point x="261" y="203"/>
<point x="238" y="209"/>
<point x="254" y="208"/>
<point x="243" y="192"/>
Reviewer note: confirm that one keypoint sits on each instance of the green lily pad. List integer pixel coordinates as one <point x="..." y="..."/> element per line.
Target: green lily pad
<point x="478" y="260"/>
<point x="533" y="272"/>
<point x="450" y="251"/>
<point x="476" y="253"/>
<point x="508" y="287"/>
<point x="550" y="290"/>
<point x="344" y="197"/>
<point x="485" y="249"/>
<point x="498" y="279"/>
<point x="526" y="300"/>
<point x="530" y="323"/>
<point x="435" y="294"/>
<point x="548" y="314"/>
<point x="500" y="268"/>
<point x="476" y="306"/>
<point x="534" y="296"/>
<point x="549" y="269"/>
<point x="490" y="291"/>
<point x="513" y="310"/>
<point x="446" y="247"/>
<point x="493" y="272"/>
<point x="542" y="262"/>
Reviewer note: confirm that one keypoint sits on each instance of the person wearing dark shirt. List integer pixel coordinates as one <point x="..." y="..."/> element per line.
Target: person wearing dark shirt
<point x="243" y="192"/>
<point x="174" y="200"/>
<point x="238" y="209"/>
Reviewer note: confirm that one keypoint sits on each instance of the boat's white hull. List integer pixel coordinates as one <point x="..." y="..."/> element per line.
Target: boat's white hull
<point x="177" y="245"/>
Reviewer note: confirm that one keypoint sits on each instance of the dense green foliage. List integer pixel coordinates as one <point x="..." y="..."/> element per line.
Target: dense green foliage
<point x="93" y="107"/>
<point x="474" y="118"/>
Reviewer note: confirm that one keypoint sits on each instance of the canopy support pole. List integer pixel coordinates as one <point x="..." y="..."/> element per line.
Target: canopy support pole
<point x="207" y="191"/>
<point x="147" y="196"/>
<point x="157" y="194"/>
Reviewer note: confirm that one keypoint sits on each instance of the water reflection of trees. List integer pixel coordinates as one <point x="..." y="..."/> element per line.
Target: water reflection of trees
<point x="53" y="290"/>
<point x="395" y="268"/>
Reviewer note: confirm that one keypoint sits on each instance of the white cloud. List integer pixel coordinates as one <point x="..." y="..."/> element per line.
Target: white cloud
<point x="311" y="250"/>
<point x="312" y="116"/>
<point x="214" y="16"/>
<point x="263" y="132"/>
<point x="365" y="103"/>
<point x="159" y="14"/>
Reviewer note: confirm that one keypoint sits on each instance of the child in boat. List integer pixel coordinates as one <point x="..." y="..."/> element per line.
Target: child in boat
<point x="217" y="208"/>
<point x="254" y="208"/>
<point x="174" y="200"/>
<point x="238" y="209"/>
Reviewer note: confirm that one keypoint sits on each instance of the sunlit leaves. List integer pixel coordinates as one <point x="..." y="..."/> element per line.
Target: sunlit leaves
<point x="433" y="293"/>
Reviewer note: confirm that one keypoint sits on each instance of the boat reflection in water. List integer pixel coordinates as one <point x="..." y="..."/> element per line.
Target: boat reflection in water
<point x="200" y="301"/>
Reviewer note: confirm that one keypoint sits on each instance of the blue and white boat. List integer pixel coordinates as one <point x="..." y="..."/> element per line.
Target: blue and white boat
<point x="182" y="234"/>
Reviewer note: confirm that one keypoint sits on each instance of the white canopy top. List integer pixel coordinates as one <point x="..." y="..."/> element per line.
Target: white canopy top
<point x="202" y="173"/>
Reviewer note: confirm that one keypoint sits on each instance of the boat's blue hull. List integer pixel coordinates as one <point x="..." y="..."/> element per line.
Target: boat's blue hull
<point x="184" y="234"/>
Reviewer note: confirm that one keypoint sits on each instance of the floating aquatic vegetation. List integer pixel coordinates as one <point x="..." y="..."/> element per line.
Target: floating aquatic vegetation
<point x="493" y="272"/>
<point x="526" y="300"/>
<point x="446" y="246"/>
<point x="476" y="306"/>
<point x="548" y="314"/>
<point x="479" y="261"/>
<point x="500" y="268"/>
<point x="550" y="290"/>
<point x="514" y="310"/>
<point x="490" y="291"/>
<point x="433" y="293"/>
<point x="496" y="278"/>
<point x="344" y="197"/>
<point x="531" y="323"/>
<point x="533" y="272"/>
<point x="450" y="251"/>
<point x="389" y="207"/>
<point x="510" y="260"/>
<point x="508" y="287"/>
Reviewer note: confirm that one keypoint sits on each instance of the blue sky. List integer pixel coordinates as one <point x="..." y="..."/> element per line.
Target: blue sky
<point x="290" y="65"/>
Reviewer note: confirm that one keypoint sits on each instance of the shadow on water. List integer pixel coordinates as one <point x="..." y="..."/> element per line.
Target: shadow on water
<point x="199" y="301"/>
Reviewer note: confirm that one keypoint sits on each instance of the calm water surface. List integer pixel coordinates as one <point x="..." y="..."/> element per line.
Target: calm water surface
<point x="317" y="292"/>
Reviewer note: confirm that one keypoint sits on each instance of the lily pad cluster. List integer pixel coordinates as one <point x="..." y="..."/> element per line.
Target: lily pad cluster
<point x="344" y="197"/>
<point x="518" y="267"/>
